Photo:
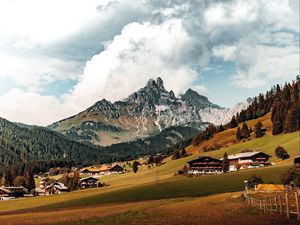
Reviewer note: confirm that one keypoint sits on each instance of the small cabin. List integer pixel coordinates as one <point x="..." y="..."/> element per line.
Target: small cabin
<point x="88" y="182"/>
<point x="205" y="165"/>
<point x="116" y="169"/>
<point x="12" y="191"/>
<point x="55" y="188"/>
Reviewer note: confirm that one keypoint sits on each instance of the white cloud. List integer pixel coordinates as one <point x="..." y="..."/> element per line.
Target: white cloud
<point x="34" y="72"/>
<point x="139" y="52"/>
<point x="49" y="40"/>
<point x="31" y="108"/>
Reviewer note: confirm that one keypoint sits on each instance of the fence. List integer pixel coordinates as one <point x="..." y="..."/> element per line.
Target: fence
<point x="287" y="204"/>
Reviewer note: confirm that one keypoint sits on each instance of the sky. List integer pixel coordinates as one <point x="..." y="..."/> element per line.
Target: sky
<point x="58" y="57"/>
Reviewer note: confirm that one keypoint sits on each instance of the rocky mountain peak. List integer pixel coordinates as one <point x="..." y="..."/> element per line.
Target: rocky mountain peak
<point x="193" y="98"/>
<point x="160" y="83"/>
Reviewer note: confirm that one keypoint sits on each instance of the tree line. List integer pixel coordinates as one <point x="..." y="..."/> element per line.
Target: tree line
<point x="282" y="101"/>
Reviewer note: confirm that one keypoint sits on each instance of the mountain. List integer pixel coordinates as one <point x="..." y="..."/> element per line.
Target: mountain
<point x="221" y="116"/>
<point x="142" y="114"/>
<point x="20" y="143"/>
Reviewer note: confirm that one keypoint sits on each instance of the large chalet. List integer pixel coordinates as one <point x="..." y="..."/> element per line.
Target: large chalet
<point x="205" y="165"/>
<point x="248" y="160"/>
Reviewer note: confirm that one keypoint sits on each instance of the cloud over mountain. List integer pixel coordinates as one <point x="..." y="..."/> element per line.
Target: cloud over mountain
<point x="111" y="48"/>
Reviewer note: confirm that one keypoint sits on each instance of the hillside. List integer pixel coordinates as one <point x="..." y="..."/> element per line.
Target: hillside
<point x="228" y="137"/>
<point x="144" y="113"/>
<point x="142" y="186"/>
<point x="31" y="143"/>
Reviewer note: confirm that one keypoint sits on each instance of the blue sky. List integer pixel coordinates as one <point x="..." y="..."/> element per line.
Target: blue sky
<point x="55" y="66"/>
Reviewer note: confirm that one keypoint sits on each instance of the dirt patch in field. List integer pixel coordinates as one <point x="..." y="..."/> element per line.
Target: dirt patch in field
<point x="222" y="209"/>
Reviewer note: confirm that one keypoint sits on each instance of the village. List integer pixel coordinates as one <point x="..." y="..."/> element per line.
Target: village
<point x="90" y="177"/>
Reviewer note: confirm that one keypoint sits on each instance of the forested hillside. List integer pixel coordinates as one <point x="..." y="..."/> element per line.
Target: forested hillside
<point x="23" y="144"/>
<point x="19" y="143"/>
<point x="282" y="102"/>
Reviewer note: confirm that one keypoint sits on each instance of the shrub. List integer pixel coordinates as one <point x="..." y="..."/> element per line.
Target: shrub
<point x="292" y="176"/>
<point x="254" y="180"/>
<point x="281" y="153"/>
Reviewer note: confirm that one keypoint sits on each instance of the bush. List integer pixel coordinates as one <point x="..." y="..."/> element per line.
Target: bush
<point x="292" y="176"/>
<point x="281" y="153"/>
<point x="254" y="180"/>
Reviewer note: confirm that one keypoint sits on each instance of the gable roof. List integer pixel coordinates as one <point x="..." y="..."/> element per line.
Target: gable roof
<point x="244" y="155"/>
<point x="88" y="178"/>
<point x="57" y="185"/>
<point x="204" y="158"/>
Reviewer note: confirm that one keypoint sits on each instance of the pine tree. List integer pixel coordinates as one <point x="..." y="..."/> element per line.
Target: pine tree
<point x="238" y="134"/>
<point x="220" y="128"/>
<point x="233" y="122"/>
<point x="258" y="130"/>
<point x="225" y="163"/>
<point x="245" y="131"/>
<point x="135" y="166"/>
<point x="8" y="179"/>
<point x="29" y="179"/>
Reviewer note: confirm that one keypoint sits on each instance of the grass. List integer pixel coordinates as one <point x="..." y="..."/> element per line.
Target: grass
<point x="141" y="186"/>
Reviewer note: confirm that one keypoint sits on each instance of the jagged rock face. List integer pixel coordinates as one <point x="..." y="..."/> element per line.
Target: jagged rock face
<point x="145" y="112"/>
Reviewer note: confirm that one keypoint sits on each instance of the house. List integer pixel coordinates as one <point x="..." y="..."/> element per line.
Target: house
<point x="44" y="182"/>
<point x="12" y="191"/>
<point x="205" y="165"/>
<point x="88" y="182"/>
<point x="55" y="188"/>
<point x="248" y="160"/>
<point x="102" y="170"/>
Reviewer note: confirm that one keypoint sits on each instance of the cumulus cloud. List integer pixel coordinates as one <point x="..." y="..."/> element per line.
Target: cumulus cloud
<point x="31" y="108"/>
<point x="113" y="47"/>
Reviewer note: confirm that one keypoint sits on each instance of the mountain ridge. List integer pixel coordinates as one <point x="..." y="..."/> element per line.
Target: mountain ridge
<point x="145" y="112"/>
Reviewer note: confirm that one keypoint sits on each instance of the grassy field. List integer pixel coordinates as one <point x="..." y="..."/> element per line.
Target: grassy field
<point x="143" y="187"/>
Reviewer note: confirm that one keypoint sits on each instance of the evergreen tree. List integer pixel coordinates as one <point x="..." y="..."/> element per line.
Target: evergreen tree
<point x="135" y="166"/>
<point x="258" y="130"/>
<point x="150" y="159"/>
<point x="183" y="152"/>
<point x="245" y="131"/>
<point x="29" y="179"/>
<point x="225" y="163"/>
<point x="281" y="153"/>
<point x="8" y="179"/>
<point x="221" y="128"/>
<point x="233" y="122"/>
<point x="238" y="134"/>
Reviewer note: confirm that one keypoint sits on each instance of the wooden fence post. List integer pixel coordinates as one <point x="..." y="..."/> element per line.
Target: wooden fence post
<point x="260" y="204"/>
<point x="276" y="204"/>
<point x="280" y="205"/>
<point x="297" y="205"/>
<point x="287" y="205"/>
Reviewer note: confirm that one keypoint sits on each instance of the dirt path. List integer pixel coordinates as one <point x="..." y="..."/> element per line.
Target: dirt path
<point x="222" y="209"/>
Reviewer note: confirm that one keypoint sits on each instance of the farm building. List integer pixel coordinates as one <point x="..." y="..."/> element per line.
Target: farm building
<point x="88" y="182"/>
<point x="102" y="170"/>
<point x="248" y="160"/>
<point x="55" y="188"/>
<point x="12" y="191"/>
<point x="205" y="165"/>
